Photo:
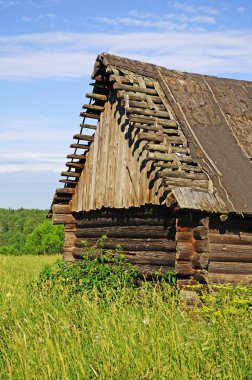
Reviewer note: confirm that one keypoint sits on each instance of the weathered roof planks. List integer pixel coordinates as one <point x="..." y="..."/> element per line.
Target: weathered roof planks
<point x="160" y="132"/>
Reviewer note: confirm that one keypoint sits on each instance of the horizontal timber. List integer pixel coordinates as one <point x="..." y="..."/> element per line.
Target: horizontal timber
<point x="96" y="96"/>
<point x="88" y="126"/>
<point x="148" y="112"/>
<point x="230" y="267"/>
<point x="75" y="165"/>
<point x="65" y="190"/>
<point x="139" y="97"/>
<point x="70" y="174"/>
<point x="133" y="244"/>
<point x="90" y="115"/>
<point x="152" y="120"/>
<point x="93" y="107"/>
<point x="77" y="156"/>
<point x="83" y="137"/>
<point x="126" y="231"/>
<point x="80" y="146"/>
<point x="133" y="88"/>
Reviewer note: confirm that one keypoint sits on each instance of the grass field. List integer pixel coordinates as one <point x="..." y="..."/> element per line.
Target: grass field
<point x="50" y="335"/>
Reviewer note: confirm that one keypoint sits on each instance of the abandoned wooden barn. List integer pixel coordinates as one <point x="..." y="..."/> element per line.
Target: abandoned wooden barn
<point x="166" y="172"/>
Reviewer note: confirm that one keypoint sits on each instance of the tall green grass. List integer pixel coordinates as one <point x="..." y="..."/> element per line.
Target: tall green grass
<point x="140" y="334"/>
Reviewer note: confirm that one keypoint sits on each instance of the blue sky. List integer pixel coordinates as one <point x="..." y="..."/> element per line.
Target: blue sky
<point x="47" y="52"/>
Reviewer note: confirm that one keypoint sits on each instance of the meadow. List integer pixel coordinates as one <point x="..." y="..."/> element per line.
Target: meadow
<point x="52" y="333"/>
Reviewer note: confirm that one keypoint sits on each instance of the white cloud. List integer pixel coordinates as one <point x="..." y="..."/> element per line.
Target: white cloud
<point x="191" y="9"/>
<point x="8" y="3"/>
<point x="241" y="9"/>
<point x="26" y="19"/>
<point x="58" y="55"/>
<point x="17" y="168"/>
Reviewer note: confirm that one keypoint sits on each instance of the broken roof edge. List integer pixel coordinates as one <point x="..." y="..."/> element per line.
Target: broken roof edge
<point x="150" y="69"/>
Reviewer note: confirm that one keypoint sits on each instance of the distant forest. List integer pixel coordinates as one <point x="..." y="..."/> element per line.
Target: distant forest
<point x="27" y="231"/>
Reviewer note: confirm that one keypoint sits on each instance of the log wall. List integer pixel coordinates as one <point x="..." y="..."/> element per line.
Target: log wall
<point x="146" y="235"/>
<point x="231" y="250"/>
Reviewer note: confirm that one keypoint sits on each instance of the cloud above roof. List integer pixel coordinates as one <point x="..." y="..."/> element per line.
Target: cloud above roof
<point x="72" y="55"/>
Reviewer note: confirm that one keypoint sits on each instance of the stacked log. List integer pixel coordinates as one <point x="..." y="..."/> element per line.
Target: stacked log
<point x="147" y="242"/>
<point x="231" y="252"/>
<point x="192" y="250"/>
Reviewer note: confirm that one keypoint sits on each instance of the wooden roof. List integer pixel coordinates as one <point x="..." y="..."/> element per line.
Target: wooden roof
<point x="197" y="128"/>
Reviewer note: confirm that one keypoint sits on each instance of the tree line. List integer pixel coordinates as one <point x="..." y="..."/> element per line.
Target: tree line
<point x="27" y="231"/>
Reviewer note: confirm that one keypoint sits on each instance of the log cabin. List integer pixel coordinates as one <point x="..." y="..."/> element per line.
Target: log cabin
<point x="162" y="167"/>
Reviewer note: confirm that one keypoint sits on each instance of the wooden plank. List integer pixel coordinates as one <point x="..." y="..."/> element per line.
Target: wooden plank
<point x="75" y="165"/>
<point x="131" y="244"/>
<point x="77" y="156"/>
<point x="62" y="218"/>
<point x="182" y="174"/>
<point x="223" y="278"/>
<point x="61" y="209"/>
<point x="125" y="231"/>
<point x="93" y="107"/>
<point x="167" y="149"/>
<point x="133" y="88"/>
<point x="138" y="97"/>
<point x="69" y="181"/>
<point x="71" y="174"/>
<point x="234" y="267"/>
<point x="80" y="146"/>
<point x="152" y="120"/>
<point x="83" y="137"/>
<point x="90" y="115"/>
<point x="147" y="112"/>
<point x="95" y="96"/>
<point x="88" y="126"/>
<point x="65" y="190"/>
<point x="167" y="157"/>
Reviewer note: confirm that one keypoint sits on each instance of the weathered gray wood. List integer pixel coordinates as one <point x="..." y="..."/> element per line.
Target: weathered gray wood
<point x="200" y="232"/>
<point x="71" y="174"/>
<point x="75" y="165"/>
<point x="138" y="97"/>
<point x="83" y="137"/>
<point x="169" y="165"/>
<point x="93" y="107"/>
<point x="226" y="238"/>
<point x="222" y="278"/>
<point x="167" y="149"/>
<point x="127" y="231"/>
<point x="69" y="182"/>
<point x="65" y="190"/>
<point x="90" y="115"/>
<point x="184" y="268"/>
<point x="147" y="244"/>
<point x="152" y="120"/>
<point x="200" y="260"/>
<point x="201" y="246"/>
<point x="61" y="209"/>
<point x="148" y="112"/>
<point x="110" y="222"/>
<point x="95" y="96"/>
<point x="125" y="80"/>
<point x="88" y="126"/>
<point x="184" y="251"/>
<point x="167" y="157"/>
<point x="80" y="146"/>
<point x="77" y="156"/>
<point x="182" y="174"/>
<point x="234" y="267"/>
<point x="133" y="88"/>
<point x="62" y="218"/>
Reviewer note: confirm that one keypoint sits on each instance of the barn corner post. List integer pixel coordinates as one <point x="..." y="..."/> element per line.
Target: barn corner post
<point x="62" y="214"/>
<point x="192" y="249"/>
